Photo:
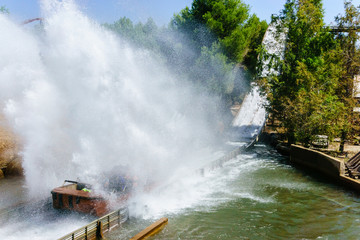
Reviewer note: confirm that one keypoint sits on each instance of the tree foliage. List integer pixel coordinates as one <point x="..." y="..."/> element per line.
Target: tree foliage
<point x="3" y="9"/>
<point x="141" y="35"/>
<point x="204" y="43"/>
<point x="351" y="63"/>
<point x="211" y="69"/>
<point x="303" y="97"/>
<point x="229" y="21"/>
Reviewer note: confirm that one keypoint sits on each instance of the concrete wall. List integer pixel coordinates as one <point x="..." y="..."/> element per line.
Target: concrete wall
<point x="317" y="161"/>
<point x="350" y="182"/>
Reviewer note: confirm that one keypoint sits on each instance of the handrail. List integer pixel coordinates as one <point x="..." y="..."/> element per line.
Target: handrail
<point x="97" y="228"/>
<point x="218" y="163"/>
<point x="71" y="181"/>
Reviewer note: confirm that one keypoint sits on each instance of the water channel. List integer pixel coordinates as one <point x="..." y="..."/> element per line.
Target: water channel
<point x="258" y="195"/>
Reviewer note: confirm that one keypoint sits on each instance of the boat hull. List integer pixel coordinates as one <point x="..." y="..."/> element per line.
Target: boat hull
<point x="78" y="200"/>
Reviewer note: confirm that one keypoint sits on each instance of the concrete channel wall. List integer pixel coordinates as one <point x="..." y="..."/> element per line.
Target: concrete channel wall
<point x="323" y="163"/>
<point x="317" y="161"/>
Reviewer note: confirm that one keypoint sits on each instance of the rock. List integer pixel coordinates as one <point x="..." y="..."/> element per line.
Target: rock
<point x="1" y="174"/>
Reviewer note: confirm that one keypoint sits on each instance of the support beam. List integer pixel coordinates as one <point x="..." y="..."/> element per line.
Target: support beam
<point x="343" y="29"/>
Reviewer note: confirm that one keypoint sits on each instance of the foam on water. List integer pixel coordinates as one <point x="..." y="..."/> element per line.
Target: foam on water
<point x="192" y="192"/>
<point x="251" y="116"/>
<point x="38" y="227"/>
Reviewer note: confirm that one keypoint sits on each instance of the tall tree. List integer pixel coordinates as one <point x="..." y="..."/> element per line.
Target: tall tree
<point x="229" y="21"/>
<point x="351" y="63"/>
<point x="303" y="96"/>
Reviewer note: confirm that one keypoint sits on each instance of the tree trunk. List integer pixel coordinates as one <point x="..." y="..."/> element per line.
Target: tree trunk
<point x="342" y="141"/>
<point x="291" y="138"/>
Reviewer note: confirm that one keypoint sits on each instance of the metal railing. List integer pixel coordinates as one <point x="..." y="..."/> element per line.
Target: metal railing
<point x="218" y="163"/>
<point x="97" y="228"/>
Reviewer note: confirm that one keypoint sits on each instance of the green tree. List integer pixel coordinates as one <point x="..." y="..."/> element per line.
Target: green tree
<point x="316" y="109"/>
<point x="141" y="35"/>
<point x="3" y="9"/>
<point x="351" y="63"/>
<point x="303" y="97"/>
<point x="123" y="26"/>
<point x="203" y="44"/>
<point x="212" y="71"/>
<point x="229" y="20"/>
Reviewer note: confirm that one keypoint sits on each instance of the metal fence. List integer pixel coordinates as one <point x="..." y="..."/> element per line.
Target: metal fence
<point x="219" y="162"/>
<point x="97" y="228"/>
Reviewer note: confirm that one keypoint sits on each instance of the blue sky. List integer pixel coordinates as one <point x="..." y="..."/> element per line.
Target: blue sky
<point x="160" y="10"/>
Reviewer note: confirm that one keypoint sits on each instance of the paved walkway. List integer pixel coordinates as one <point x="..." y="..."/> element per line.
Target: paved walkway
<point x="349" y="150"/>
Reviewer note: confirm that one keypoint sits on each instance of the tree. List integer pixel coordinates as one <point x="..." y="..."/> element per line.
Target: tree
<point x="123" y="26"/>
<point x="229" y="21"/>
<point x="316" y="109"/>
<point x="212" y="71"/>
<point x="3" y="9"/>
<point x="303" y="97"/>
<point x="142" y="35"/>
<point x="351" y="63"/>
<point x="205" y="43"/>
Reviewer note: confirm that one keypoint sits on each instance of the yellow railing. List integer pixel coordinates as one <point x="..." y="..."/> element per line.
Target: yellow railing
<point x="97" y="228"/>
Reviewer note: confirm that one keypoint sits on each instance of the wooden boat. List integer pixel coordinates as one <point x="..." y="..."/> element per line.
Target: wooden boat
<point x="76" y="196"/>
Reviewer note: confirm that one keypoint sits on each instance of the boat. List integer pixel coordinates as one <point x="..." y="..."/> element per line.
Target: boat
<point x="80" y="197"/>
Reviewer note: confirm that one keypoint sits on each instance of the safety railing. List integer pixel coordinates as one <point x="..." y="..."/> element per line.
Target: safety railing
<point x="218" y="163"/>
<point x="97" y="228"/>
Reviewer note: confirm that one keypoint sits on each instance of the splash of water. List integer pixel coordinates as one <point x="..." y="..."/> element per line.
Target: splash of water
<point x="84" y="102"/>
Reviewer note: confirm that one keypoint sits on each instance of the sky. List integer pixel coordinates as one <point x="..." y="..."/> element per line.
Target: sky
<point x="160" y="10"/>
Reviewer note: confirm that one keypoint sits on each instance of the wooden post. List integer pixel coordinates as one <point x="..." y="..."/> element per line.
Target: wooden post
<point x="99" y="232"/>
<point x="119" y="217"/>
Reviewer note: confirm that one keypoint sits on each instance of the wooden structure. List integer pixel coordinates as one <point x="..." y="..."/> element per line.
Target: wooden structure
<point x="343" y="29"/>
<point x="97" y="228"/>
<point x="151" y="230"/>
<point x="353" y="166"/>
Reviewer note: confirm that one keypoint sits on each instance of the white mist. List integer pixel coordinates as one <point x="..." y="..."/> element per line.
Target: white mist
<point x="83" y="102"/>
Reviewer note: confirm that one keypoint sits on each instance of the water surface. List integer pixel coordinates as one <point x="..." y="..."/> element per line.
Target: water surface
<point x="257" y="195"/>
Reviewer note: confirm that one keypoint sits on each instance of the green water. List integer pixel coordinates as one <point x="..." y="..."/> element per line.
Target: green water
<point x="257" y="196"/>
